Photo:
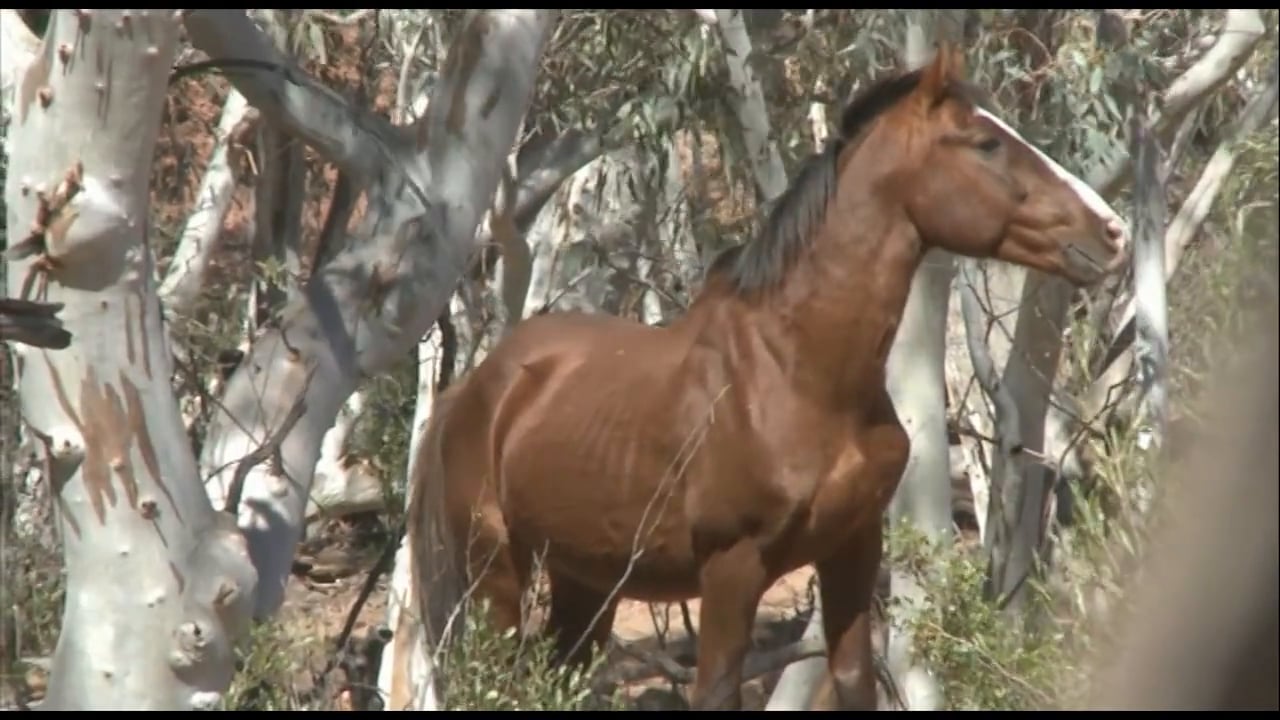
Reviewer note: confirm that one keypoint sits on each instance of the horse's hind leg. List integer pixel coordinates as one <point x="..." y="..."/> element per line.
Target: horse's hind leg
<point x="581" y="619"/>
<point x="500" y="571"/>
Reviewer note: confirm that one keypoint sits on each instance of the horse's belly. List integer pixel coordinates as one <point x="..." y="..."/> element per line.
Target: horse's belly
<point x="605" y="539"/>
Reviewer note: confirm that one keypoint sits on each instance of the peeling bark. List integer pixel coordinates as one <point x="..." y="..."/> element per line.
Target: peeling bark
<point x="159" y="586"/>
<point x="357" y="140"/>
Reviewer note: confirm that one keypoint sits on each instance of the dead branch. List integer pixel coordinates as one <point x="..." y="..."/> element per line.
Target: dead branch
<point x="266" y="451"/>
<point x="32" y="323"/>
<point x="755" y="664"/>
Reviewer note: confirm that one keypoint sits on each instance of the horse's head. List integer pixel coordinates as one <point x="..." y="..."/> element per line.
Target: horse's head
<point x="974" y="186"/>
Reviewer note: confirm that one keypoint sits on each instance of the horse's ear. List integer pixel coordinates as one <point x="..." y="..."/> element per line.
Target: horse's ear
<point x="936" y="77"/>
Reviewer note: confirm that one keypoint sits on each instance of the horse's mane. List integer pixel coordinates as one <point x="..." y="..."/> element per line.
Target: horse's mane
<point x="792" y="222"/>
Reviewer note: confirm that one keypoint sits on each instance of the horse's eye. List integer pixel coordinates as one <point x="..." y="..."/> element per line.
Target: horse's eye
<point x="989" y="145"/>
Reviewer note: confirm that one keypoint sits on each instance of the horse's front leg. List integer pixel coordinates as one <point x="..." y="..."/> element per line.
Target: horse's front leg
<point x="847" y="577"/>
<point x="732" y="582"/>
<point x="846" y="582"/>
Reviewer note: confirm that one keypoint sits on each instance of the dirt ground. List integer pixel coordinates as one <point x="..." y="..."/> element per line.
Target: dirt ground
<point x="331" y="571"/>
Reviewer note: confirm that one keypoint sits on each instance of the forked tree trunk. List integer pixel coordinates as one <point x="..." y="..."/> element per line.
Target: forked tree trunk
<point x="158" y="584"/>
<point x="427" y="189"/>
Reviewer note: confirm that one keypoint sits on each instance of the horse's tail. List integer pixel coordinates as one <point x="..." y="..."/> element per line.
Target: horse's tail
<point x="437" y="575"/>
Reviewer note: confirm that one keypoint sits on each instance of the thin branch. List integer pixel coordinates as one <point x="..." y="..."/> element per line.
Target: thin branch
<point x="267" y="450"/>
<point x="355" y="139"/>
<point x="1185" y="226"/>
<point x="984" y="367"/>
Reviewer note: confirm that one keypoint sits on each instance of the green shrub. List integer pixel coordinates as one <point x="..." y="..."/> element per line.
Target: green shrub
<point x="980" y="657"/>
<point x="490" y="670"/>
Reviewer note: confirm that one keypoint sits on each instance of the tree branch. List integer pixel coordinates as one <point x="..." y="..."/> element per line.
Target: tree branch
<point x="1151" y="308"/>
<point x="185" y="278"/>
<point x="355" y="139"/>
<point x="1184" y="227"/>
<point x="984" y="367"/>
<point x="1241" y="32"/>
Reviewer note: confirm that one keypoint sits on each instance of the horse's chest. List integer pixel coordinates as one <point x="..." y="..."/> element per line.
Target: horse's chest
<point x="854" y="490"/>
<point x="846" y="489"/>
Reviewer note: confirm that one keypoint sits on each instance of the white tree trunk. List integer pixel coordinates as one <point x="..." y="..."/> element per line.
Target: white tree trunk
<point x="1151" y="346"/>
<point x="375" y="300"/>
<point x="916" y="379"/>
<point x="406" y="677"/>
<point x="343" y="484"/>
<point x="753" y="118"/>
<point x="184" y="279"/>
<point x="159" y="585"/>
<point x="917" y="384"/>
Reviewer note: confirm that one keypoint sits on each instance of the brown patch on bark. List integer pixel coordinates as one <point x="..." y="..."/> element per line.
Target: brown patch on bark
<point x="112" y="424"/>
<point x="138" y="426"/>
<point x="60" y="394"/>
<point x="106" y="440"/>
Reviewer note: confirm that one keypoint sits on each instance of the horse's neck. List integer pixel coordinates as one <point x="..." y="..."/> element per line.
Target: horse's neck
<point x="841" y="306"/>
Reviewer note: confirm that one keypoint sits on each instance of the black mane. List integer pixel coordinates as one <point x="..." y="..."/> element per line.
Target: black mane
<point x="795" y="216"/>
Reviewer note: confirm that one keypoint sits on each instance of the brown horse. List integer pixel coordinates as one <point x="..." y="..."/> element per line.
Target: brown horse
<point x="754" y="434"/>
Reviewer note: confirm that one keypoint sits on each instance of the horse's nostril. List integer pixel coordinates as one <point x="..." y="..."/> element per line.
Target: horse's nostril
<point x="1115" y="232"/>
